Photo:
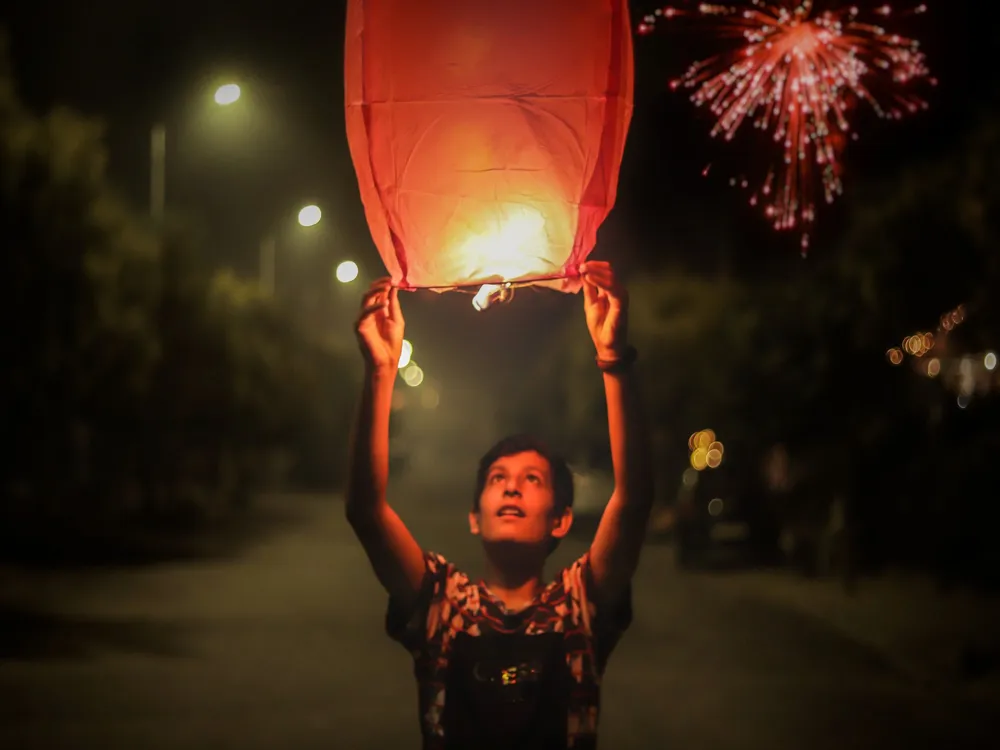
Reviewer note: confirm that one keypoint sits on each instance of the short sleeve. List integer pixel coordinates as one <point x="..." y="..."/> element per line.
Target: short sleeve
<point x="413" y="626"/>
<point x="604" y="622"/>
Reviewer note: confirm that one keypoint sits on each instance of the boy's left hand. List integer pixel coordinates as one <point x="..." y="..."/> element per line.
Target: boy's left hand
<point x="605" y="303"/>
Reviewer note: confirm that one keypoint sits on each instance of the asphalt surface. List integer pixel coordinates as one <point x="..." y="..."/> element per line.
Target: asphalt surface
<point x="281" y="646"/>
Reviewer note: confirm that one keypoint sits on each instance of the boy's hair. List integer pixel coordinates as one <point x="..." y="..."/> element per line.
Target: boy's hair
<point x="559" y="471"/>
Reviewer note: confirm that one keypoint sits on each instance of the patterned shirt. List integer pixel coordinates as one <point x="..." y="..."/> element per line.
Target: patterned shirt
<point x="488" y="678"/>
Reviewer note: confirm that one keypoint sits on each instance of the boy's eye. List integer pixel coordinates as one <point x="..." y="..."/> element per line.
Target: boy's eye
<point x="495" y="477"/>
<point x="534" y="478"/>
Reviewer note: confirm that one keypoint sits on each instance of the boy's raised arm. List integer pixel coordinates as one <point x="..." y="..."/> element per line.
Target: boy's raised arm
<point x="614" y="553"/>
<point x="395" y="556"/>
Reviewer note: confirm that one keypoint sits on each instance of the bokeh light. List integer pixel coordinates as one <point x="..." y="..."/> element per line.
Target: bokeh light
<point x="430" y="398"/>
<point x="413" y="375"/>
<point x="405" y="354"/>
<point x="706" y="450"/>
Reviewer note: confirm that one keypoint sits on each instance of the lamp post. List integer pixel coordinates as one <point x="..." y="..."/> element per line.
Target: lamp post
<point x="157" y="171"/>
<point x="225" y="95"/>
<point x="308" y="216"/>
<point x="268" y="253"/>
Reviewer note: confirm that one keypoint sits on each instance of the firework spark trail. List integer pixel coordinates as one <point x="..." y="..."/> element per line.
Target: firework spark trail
<point x="797" y="76"/>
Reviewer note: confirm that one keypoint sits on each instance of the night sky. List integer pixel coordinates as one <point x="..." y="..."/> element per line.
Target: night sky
<point x="135" y="63"/>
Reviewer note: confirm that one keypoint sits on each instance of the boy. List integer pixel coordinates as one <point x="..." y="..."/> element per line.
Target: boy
<point x="507" y="662"/>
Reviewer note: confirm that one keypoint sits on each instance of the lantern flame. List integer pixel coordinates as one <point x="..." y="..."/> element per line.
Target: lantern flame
<point x="510" y="251"/>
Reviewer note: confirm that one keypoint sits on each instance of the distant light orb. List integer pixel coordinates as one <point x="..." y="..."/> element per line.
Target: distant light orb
<point x="347" y="272"/>
<point x="310" y="216"/>
<point x="990" y="361"/>
<point x="413" y="376"/>
<point x="227" y="94"/>
<point x="430" y="398"/>
<point x="405" y="354"/>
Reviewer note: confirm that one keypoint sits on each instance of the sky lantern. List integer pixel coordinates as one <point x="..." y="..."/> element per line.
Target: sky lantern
<point x="487" y="136"/>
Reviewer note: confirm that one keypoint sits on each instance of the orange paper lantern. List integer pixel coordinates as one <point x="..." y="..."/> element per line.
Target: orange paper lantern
<point x="487" y="136"/>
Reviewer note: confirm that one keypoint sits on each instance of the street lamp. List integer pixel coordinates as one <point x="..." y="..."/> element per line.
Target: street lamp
<point x="347" y="272"/>
<point x="308" y="216"/>
<point x="225" y="95"/>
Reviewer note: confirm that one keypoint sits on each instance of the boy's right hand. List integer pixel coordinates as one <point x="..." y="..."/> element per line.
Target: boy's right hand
<point x="380" y="326"/>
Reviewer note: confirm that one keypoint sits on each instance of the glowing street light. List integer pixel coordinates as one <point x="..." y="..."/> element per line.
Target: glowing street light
<point x="406" y="354"/>
<point x="227" y="94"/>
<point x="310" y="216"/>
<point x="347" y="272"/>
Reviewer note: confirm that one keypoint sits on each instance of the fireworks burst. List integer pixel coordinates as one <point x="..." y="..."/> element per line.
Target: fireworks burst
<point x="797" y="74"/>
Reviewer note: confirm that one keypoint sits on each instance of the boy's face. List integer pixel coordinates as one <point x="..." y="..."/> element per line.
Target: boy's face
<point x="518" y="502"/>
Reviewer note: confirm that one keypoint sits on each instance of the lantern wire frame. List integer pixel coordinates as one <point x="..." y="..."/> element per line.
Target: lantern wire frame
<point x="475" y="286"/>
<point x="501" y="293"/>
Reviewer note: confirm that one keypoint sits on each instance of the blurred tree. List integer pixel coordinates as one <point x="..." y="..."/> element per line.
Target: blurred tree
<point x="137" y="377"/>
<point x="80" y="278"/>
<point x="918" y="246"/>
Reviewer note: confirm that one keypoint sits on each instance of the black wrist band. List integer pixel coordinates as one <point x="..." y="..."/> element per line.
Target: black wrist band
<point x="619" y="364"/>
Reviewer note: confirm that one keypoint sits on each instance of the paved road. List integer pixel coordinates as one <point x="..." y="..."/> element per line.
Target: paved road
<point x="282" y="647"/>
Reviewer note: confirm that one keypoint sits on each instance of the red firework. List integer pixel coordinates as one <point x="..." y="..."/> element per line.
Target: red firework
<point x="796" y="74"/>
